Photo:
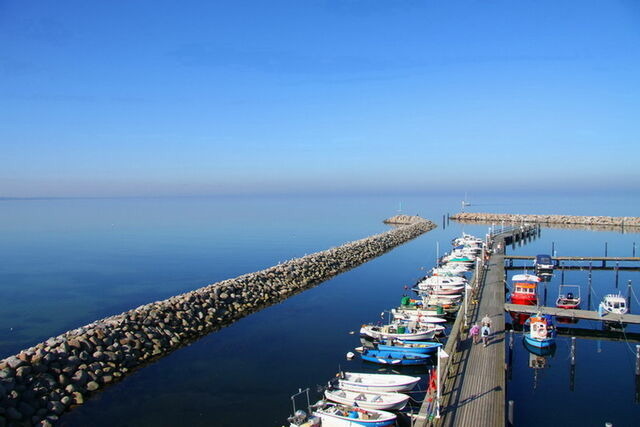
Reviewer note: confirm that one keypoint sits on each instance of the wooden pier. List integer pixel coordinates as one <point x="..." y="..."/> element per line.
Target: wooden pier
<point x="473" y="376"/>
<point x="573" y="314"/>
<point x="577" y="262"/>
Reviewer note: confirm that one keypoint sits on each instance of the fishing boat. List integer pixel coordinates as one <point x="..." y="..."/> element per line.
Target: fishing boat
<point x="376" y="382"/>
<point x="441" y="282"/>
<point x="368" y="399"/>
<point x="424" y="347"/>
<point x="541" y="331"/>
<point x="613" y="303"/>
<point x="411" y="331"/>
<point x="524" y="289"/>
<point x="568" y="297"/>
<point x="440" y="290"/>
<point x="402" y="358"/>
<point x="329" y="414"/>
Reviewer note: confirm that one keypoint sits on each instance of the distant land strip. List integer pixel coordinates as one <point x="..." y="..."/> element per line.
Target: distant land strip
<point x="618" y="221"/>
<point x="40" y="383"/>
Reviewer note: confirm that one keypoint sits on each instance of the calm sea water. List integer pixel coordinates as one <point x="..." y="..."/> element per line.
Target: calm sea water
<point x="66" y="263"/>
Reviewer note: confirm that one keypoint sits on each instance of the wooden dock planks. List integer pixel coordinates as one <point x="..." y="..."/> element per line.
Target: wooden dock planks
<point x="477" y="397"/>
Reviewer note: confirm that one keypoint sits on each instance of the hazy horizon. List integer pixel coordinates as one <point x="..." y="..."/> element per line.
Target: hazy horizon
<point x="339" y="97"/>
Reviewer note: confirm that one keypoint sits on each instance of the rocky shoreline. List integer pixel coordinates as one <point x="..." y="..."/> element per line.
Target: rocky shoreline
<point x="40" y="383"/>
<point x="625" y="221"/>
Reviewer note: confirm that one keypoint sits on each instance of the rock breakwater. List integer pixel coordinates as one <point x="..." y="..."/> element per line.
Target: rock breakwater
<point x="620" y="221"/>
<point x="42" y="382"/>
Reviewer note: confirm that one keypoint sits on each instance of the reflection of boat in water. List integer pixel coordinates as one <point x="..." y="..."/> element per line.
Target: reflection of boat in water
<point x="540" y="351"/>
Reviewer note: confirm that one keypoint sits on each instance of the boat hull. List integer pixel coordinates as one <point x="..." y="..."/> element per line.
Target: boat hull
<point x="380" y="401"/>
<point x="377" y="382"/>
<point x="545" y="343"/>
<point x="395" y="358"/>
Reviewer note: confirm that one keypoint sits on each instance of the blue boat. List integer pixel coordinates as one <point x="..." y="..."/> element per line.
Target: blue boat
<point x="385" y="357"/>
<point x="542" y="333"/>
<point x="422" y="347"/>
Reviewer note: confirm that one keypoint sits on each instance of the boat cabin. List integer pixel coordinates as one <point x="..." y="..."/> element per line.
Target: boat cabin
<point x="544" y="262"/>
<point x="614" y="303"/>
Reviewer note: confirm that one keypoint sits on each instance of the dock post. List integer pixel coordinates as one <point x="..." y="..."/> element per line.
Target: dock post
<point x="589" y="284"/>
<point x="553" y="249"/>
<point x="562" y="277"/>
<point x="637" y="359"/>
<point x="444" y="224"/>
<point x="629" y="296"/>
<point x="447" y="218"/>
<point x="606" y="250"/>
<point x="617" y="264"/>
<point x="634" y="249"/>
<point x="510" y="414"/>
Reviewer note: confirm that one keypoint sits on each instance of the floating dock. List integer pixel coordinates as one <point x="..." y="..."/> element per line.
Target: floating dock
<point x="573" y="313"/>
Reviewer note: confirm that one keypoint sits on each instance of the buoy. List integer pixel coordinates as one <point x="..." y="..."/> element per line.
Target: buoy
<point x="350" y="355"/>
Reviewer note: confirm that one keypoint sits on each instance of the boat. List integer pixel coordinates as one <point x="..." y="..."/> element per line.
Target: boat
<point x="386" y="357"/>
<point x="376" y="382"/>
<point x="568" y="297"/>
<point x="541" y="331"/>
<point x="424" y="347"/>
<point x="543" y="262"/>
<point x="329" y="414"/>
<point x="368" y="399"/>
<point x="613" y="303"/>
<point x="441" y="282"/>
<point x="412" y="331"/>
<point x="524" y="289"/>
<point x="415" y="315"/>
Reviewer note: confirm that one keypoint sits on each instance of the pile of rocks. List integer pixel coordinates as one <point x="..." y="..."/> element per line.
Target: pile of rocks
<point x="40" y="383"/>
<point x="624" y="221"/>
<point x="403" y="219"/>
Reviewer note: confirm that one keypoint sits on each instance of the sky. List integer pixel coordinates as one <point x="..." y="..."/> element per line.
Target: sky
<point x="166" y="98"/>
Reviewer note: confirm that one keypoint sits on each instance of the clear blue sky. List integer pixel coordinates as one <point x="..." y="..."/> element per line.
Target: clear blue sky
<point x="125" y="98"/>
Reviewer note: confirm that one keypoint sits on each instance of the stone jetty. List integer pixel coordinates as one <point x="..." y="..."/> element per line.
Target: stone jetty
<point x="42" y="382"/>
<point x="619" y="221"/>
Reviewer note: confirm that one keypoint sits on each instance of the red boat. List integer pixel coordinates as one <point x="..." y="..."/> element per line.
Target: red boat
<point x="524" y="289"/>
<point x="569" y="299"/>
<point x="524" y="293"/>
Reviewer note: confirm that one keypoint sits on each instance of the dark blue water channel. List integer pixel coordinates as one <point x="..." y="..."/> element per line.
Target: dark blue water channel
<point x="66" y="263"/>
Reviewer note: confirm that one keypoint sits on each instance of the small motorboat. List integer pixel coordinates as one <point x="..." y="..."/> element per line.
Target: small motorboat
<point x="376" y="382"/>
<point x="368" y="399"/>
<point x="404" y="358"/>
<point x="543" y="262"/>
<point x="541" y="333"/>
<point x="424" y="347"/>
<point x="329" y="414"/>
<point x="568" y="297"/>
<point x="613" y="303"/>
<point x="416" y="316"/>
<point x="412" y="331"/>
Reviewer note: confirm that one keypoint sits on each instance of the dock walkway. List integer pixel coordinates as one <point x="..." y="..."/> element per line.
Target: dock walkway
<point x="573" y="313"/>
<point x="477" y="396"/>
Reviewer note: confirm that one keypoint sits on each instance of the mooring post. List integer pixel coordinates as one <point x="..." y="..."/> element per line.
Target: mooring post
<point x="545" y="293"/>
<point x="447" y="218"/>
<point x="637" y="359"/>
<point x="617" y="264"/>
<point x="562" y="276"/>
<point x="444" y="224"/>
<point x="634" y="249"/>
<point x="589" y="283"/>
<point x="629" y="296"/>
<point x="606" y="250"/>
<point x="510" y="414"/>
<point x="553" y="248"/>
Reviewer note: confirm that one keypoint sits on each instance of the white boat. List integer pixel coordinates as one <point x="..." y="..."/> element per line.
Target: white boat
<point x="329" y="414"/>
<point x="410" y="332"/>
<point x="439" y="299"/>
<point x="376" y="382"/>
<point x="410" y="315"/>
<point x="442" y="281"/>
<point x="613" y="303"/>
<point x="447" y="272"/>
<point x="368" y="399"/>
